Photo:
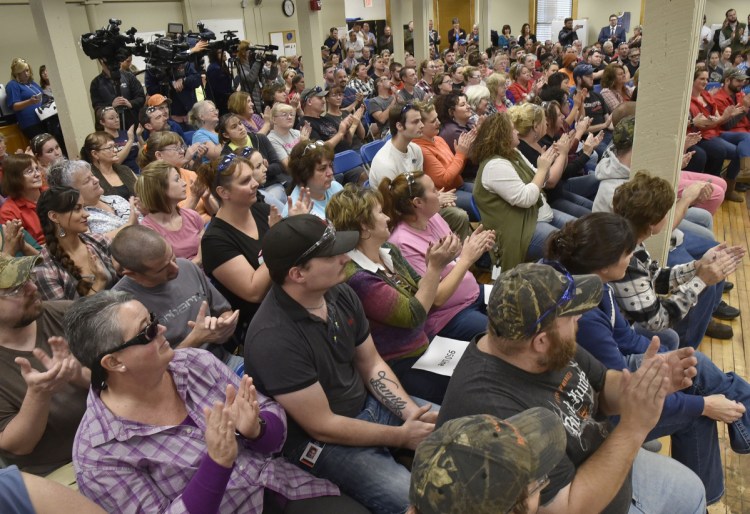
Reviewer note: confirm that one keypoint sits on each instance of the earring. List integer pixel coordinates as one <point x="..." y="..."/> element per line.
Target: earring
<point x="61" y="232"/>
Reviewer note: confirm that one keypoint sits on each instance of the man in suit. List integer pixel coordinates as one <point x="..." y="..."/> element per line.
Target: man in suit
<point x="612" y="32"/>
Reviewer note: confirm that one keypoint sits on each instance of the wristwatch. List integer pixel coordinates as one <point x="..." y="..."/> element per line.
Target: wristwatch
<point x="262" y="423"/>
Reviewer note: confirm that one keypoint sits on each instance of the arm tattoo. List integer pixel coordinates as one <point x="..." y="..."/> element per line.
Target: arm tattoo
<point x="381" y="389"/>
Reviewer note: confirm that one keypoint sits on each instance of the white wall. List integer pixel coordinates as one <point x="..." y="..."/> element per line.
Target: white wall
<point x="357" y="9"/>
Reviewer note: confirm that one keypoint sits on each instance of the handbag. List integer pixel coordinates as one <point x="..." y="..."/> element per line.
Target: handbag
<point x="46" y="111"/>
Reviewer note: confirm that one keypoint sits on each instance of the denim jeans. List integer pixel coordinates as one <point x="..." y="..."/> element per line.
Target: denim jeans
<point x="668" y="338"/>
<point x="698" y="161"/>
<point x="463" y="199"/>
<point x="717" y="150"/>
<point x="661" y="484"/>
<point x="467" y="323"/>
<point x="695" y="441"/>
<point x="586" y="186"/>
<point x="543" y="230"/>
<point x="368" y="474"/>
<point x="573" y="204"/>
<point x="741" y="139"/>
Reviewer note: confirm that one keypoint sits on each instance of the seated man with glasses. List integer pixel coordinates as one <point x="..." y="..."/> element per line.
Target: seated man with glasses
<point x="175" y="430"/>
<point x="163" y="103"/>
<point x="43" y="388"/>
<point x="309" y="346"/>
<point x="529" y="358"/>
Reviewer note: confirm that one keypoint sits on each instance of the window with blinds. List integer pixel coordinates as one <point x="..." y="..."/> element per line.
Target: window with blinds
<point x="546" y="12"/>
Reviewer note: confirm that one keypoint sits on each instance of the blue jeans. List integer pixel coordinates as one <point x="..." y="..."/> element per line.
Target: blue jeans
<point x="573" y="204"/>
<point x="368" y="474"/>
<point x="466" y="324"/>
<point x="661" y="484"/>
<point x="717" y="150"/>
<point x="699" y="222"/>
<point x="698" y="160"/>
<point x="741" y="139"/>
<point x="586" y="186"/>
<point x="543" y="230"/>
<point x="463" y="199"/>
<point x="695" y="440"/>
<point x="668" y="338"/>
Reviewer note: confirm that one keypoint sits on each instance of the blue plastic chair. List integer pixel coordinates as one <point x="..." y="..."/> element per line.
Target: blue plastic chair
<point x="475" y="209"/>
<point x="713" y="85"/>
<point x="189" y="137"/>
<point x="369" y="150"/>
<point x="597" y="88"/>
<point x="746" y="90"/>
<point x="345" y="161"/>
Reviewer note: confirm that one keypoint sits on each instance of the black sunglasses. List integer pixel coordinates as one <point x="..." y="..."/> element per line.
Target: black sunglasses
<point x="145" y="336"/>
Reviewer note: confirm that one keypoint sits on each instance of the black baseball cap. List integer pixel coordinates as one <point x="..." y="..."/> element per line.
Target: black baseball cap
<point x="297" y="239"/>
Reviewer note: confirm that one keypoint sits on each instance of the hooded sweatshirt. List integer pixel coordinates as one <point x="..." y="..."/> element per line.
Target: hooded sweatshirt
<point x="611" y="173"/>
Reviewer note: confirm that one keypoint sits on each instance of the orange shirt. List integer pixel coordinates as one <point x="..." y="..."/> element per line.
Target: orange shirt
<point x="440" y="164"/>
<point x="24" y="210"/>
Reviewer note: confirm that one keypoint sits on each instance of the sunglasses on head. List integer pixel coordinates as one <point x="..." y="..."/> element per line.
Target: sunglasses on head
<point x="567" y="295"/>
<point x="313" y="146"/>
<point x="328" y="235"/>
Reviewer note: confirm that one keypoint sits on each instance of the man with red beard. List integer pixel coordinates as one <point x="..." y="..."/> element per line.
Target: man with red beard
<point x="529" y="358"/>
<point x="42" y="386"/>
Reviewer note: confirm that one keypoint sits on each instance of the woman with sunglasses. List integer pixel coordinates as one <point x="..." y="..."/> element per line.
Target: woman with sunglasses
<point x="602" y="244"/>
<point x="311" y="167"/>
<point x="234" y="136"/>
<point x="109" y="122"/>
<point x="46" y="150"/>
<point x="100" y="150"/>
<point x="75" y="261"/>
<point x="168" y="146"/>
<point x="412" y="203"/>
<point x="232" y="242"/>
<point x="22" y="184"/>
<point x="107" y="214"/>
<point x="160" y="189"/>
<point x="175" y="430"/>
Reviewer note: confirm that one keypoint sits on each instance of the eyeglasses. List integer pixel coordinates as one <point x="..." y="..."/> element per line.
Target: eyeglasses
<point x="15" y="291"/>
<point x="173" y="148"/>
<point x="313" y="91"/>
<point x="112" y="147"/>
<point x="145" y="336"/>
<point x="328" y="235"/>
<point x="151" y="110"/>
<point x="30" y="171"/>
<point x="568" y="294"/>
<point x="313" y="146"/>
<point x="285" y="115"/>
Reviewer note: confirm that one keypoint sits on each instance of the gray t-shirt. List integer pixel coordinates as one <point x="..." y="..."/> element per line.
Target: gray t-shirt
<point x="178" y="301"/>
<point x="283" y="145"/>
<point x="378" y="104"/>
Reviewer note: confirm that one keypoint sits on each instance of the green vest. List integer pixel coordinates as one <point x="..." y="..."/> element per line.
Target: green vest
<point x="513" y="225"/>
<point x="736" y="44"/>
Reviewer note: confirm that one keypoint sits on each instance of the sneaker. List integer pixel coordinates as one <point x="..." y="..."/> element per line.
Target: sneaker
<point x="728" y="286"/>
<point x="718" y="330"/>
<point x="652" y="446"/>
<point x="725" y="311"/>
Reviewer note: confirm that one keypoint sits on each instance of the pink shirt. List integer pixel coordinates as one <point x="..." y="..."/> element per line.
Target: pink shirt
<point x="413" y="244"/>
<point x="185" y="242"/>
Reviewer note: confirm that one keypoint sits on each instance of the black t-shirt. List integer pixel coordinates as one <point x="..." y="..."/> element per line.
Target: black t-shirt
<point x="632" y="68"/>
<point x="221" y="243"/>
<point x="485" y="384"/>
<point x="287" y="349"/>
<point x="595" y="107"/>
<point x="324" y="128"/>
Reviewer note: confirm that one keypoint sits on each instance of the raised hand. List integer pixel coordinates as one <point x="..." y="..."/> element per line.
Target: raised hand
<point x="243" y="408"/>
<point x="211" y="329"/>
<point x="12" y="237"/>
<point x="447" y="198"/>
<point x="477" y="243"/>
<point x="221" y="443"/>
<point x="274" y="217"/>
<point x="444" y="251"/>
<point x="303" y="205"/>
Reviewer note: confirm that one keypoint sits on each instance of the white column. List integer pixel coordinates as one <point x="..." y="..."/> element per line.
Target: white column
<point x="309" y="40"/>
<point x="421" y="16"/>
<point x="661" y="118"/>
<point x="71" y="92"/>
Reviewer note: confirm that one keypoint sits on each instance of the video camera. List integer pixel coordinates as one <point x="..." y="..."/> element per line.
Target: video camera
<point x="109" y="45"/>
<point x="263" y="53"/>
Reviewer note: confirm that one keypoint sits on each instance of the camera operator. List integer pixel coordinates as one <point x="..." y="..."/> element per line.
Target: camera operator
<point x="249" y="67"/>
<point x="127" y="103"/>
<point x="182" y="79"/>
<point x="219" y="80"/>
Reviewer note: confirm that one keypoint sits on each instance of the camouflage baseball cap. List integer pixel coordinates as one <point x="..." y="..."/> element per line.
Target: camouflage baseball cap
<point x="622" y="136"/>
<point x="481" y="464"/>
<point x="14" y="271"/>
<point x="530" y="293"/>
<point x="734" y="73"/>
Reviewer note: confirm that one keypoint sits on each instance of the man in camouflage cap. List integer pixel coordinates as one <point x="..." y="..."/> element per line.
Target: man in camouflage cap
<point x="529" y="358"/>
<point x="481" y="464"/>
<point x="43" y="387"/>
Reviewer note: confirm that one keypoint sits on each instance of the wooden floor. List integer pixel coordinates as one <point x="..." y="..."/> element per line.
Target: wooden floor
<point x="732" y="224"/>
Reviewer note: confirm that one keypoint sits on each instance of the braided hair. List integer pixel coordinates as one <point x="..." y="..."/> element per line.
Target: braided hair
<point x="60" y="199"/>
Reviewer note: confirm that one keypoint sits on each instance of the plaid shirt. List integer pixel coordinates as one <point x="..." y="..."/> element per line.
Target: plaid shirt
<point x="366" y="87"/>
<point x="424" y="86"/>
<point x="54" y="281"/>
<point x="656" y="297"/>
<point x="128" y="467"/>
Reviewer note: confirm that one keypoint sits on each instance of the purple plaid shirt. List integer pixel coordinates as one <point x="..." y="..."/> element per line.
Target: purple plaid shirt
<point x="128" y="467"/>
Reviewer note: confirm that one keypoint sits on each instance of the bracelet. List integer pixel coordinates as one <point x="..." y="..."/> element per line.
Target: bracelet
<point x="262" y="423"/>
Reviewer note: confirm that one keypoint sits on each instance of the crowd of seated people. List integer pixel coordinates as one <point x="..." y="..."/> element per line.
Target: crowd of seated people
<point x="206" y="314"/>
